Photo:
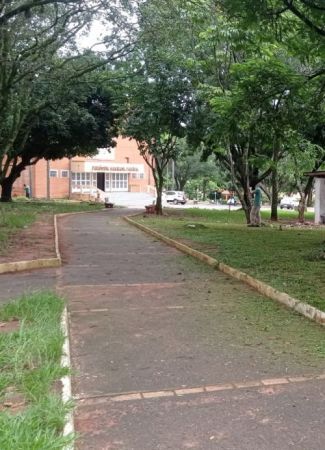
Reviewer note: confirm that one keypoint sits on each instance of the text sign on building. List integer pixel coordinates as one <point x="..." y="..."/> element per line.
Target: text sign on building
<point x="111" y="167"/>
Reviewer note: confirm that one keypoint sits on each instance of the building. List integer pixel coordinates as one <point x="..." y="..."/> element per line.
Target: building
<point x="319" y="195"/>
<point x="118" y="169"/>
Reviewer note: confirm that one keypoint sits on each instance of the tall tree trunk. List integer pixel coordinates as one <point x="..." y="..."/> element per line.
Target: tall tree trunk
<point x="182" y="184"/>
<point x="6" y="189"/>
<point x="7" y="182"/>
<point x="304" y="196"/>
<point x="245" y="198"/>
<point x="275" y="181"/>
<point x="204" y="188"/>
<point x="241" y="183"/>
<point x="310" y="198"/>
<point x="309" y="191"/>
<point x="247" y="205"/>
<point x="302" y="207"/>
<point x="274" y="194"/>
<point x="159" y="183"/>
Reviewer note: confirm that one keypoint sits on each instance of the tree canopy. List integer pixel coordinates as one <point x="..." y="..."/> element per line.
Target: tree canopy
<point x="256" y="76"/>
<point x="239" y="80"/>
<point x="42" y="69"/>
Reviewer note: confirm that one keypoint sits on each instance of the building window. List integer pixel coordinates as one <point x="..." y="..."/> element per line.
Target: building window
<point x="107" y="182"/>
<point x="138" y="175"/>
<point x="119" y="181"/>
<point x="53" y="173"/>
<point x="82" y="180"/>
<point x="64" y="174"/>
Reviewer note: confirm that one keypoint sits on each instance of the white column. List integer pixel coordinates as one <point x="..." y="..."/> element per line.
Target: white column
<point x="319" y="199"/>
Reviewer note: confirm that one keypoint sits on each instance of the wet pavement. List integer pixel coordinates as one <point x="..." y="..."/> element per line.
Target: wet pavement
<point x="168" y="353"/>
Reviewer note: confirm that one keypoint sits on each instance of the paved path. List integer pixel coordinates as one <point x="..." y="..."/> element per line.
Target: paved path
<point x="167" y="357"/>
<point x="17" y="284"/>
<point x="169" y="354"/>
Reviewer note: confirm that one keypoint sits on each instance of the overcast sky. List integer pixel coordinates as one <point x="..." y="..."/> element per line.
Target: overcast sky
<point x="95" y="35"/>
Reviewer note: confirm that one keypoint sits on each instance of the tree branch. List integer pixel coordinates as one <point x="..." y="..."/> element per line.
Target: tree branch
<point x="31" y="5"/>
<point x="312" y="5"/>
<point x="304" y="18"/>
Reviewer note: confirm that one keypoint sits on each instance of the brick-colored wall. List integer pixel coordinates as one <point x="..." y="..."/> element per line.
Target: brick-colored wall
<point x="18" y="188"/>
<point x="126" y="151"/>
<point x="59" y="186"/>
<point x="39" y="180"/>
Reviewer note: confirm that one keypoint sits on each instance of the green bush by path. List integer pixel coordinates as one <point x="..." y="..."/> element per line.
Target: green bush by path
<point x="30" y="366"/>
<point x="288" y="258"/>
<point x="19" y="214"/>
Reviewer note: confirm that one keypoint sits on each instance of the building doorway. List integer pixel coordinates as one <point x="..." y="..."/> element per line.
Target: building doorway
<point x="101" y="181"/>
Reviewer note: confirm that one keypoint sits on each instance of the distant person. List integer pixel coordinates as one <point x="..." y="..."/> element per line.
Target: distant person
<point x="231" y="201"/>
<point x="255" y="216"/>
<point x="27" y="190"/>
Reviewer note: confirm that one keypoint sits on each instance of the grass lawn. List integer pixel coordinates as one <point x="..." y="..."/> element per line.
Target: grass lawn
<point x="290" y="259"/>
<point x="31" y="410"/>
<point x="19" y="214"/>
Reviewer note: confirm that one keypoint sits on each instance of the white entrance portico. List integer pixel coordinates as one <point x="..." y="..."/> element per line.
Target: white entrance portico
<point x="106" y="176"/>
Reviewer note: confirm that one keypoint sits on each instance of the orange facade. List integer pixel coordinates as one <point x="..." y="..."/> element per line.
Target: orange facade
<point x="119" y="169"/>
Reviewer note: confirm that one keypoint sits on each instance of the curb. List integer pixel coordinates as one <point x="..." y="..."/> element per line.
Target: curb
<point x="19" y="266"/>
<point x="66" y="358"/>
<point x="66" y="380"/>
<point x="300" y="307"/>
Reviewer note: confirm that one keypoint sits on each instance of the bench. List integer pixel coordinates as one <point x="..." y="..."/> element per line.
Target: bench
<point x="150" y="209"/>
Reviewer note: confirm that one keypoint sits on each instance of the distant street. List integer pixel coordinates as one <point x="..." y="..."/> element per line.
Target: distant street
<point x="139" y="200"/>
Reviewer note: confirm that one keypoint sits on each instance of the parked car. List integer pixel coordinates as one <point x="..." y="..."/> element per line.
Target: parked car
<point x="289" y="203"/>
<point x="175" y="197"/>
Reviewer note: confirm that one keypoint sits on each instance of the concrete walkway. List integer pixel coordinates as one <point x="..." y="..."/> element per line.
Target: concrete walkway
<point x="169" y="354"/>
<point x="166" y="357"/>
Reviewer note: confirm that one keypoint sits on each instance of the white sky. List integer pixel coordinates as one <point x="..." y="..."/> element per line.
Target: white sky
<point x="95" y="35"/>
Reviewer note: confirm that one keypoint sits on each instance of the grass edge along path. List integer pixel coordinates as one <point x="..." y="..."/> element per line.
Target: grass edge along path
<point x="32" y="412"/>
<point x="17" y="215"/>
<point x="282" y="256"/>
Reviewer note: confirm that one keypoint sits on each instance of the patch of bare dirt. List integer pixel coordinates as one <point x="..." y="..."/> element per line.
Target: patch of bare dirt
<point x="8" y="327"/>
<point x="34" y="242"/>
<point x="13" y="401"/>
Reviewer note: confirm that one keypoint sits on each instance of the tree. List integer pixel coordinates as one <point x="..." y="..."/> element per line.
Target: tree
<point x="251" y="67"/>
<point x="157" y="106"/>
<point x="310" y="14"/>
<point x="77" y="120"/>
<point x="243" y="126"/>
<point x="259" y="96"/>
<point x="305" y="156"/>
<point x="38" y="51"/>
<point x="189" y="165"/>
<point x="297" y="25"/>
